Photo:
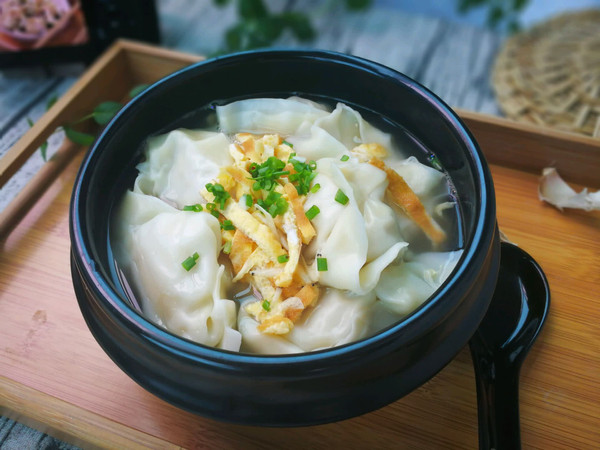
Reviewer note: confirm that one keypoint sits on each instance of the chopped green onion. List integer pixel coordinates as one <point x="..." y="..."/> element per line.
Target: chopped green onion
<point x="274" y="203"/>
<point x="212" y="208"/>
<point x="248" y="200"/>
<point x="266" y="174"/>
<point x="344" y="158"/>
<point x="435" y="162"/>
<point x="227" y="247"/>
<point x="227" y="225"/>
<point x="190" y="261"/>
<point x="289" y="144"/>
<point x="266" y="305"/>
<point x="221" y="195"/>
<point x="195" y="208"/>
<point x="283" y="259"/>
<point x="315" y="188"/>
<point x="340" y="197"/>
<point x="312" y="212"/>
<point x="303" y="176"/>
<point x="322" y="264"/>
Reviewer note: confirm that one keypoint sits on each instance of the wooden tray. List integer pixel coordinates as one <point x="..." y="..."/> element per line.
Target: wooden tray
<point x="55" y="377"/>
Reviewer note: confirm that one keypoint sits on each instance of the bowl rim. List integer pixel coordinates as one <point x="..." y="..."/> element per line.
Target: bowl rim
<point x="119" y="309"/>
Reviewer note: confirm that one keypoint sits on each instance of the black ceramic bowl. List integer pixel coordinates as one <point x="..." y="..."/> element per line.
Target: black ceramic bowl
<point x="301" y="389"/>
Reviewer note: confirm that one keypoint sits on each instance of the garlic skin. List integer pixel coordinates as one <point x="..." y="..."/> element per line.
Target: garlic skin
<point x="554" y="190"/>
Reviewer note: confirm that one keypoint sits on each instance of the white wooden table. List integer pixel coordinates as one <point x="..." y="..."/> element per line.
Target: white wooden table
<point x="453" y="60"/>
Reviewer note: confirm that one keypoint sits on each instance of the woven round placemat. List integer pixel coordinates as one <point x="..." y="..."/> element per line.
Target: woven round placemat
<point x="550" y="74"/>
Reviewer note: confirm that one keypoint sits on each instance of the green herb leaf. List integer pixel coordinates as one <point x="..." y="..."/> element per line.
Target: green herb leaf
<point x="340" y="197"/>
<point x="44" y="146"/>
<point x="465" y="5"/>
<point x="44" y="150"/>
<point x="266" y="305"/>
<point x="300" y="25"/>
<point x="495" y="15"/>
<point x="106" y="111"/>
<point x="137" y="90"/>
<point x="234" y="38"/>
<point x="51" y="101"/>
<point x="519" y="5"/>
<point x="78" y="137"/>
<point x="358" y="4"/>
<point x="322" y="264"/>
<point x="283" y="259"/>
<point x="251" y="9"/>
<point x="344" y="158"/>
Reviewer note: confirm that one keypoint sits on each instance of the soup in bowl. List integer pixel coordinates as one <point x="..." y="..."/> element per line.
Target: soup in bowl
<point x="284" y="237"/>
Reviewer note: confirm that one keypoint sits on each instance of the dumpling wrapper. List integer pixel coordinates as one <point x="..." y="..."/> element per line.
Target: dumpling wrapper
<point x="268" y="115"/>
<point x="179" y="164"/>
<point x="348" y="127"/>
<point x="152" y="240"/>
<point x="428" y="184"/>
<point x="336" y="134"/>
<point x="405" y="286"/>
<point x="337" y="319"/>
<point x="354" y="264"/>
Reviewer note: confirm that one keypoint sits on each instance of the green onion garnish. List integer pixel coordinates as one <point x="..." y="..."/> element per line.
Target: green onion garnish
<point x="283" y="259"/>
<point x="289" y="144"/>
<point x="304" y="175"/>
<point x="266" y="174"/>
<point x="344" y="158"/>
<point x="435" y="162"/>
<point x="248" y="200"/>
<point x="195" y="208"/>
<point x="227" y="225"/>
<point x="227" y="248"/>
<point x="266" y="305"/>
<point x="221" y="195"/>
<point x="212" y="208"/>
<point x="274" y="203"/>
<point x="322" y="264"/>
<point x="312" y="212"/>
<point x="315" y="188"/>
<point x="190" y="261"/>
<point x="340" y="197"/>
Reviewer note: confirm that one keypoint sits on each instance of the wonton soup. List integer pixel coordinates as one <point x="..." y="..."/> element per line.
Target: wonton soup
<point x="288" y="227"/>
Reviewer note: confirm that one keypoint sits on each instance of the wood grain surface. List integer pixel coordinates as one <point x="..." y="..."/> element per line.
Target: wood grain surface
<point x="53" y="373"/>
<point x="55" y="377"/>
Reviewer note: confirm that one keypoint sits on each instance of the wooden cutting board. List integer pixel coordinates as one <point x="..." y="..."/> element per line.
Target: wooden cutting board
<point x="55" y="377"/>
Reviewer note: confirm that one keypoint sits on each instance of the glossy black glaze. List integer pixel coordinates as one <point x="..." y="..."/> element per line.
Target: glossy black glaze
<point x="514" y="319"/>
<point x="284" y="390"/>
